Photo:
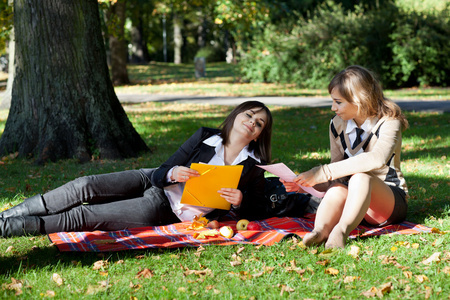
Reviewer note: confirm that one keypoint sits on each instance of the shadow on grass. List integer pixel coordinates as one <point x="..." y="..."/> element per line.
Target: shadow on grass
<point x="48" y="257"/>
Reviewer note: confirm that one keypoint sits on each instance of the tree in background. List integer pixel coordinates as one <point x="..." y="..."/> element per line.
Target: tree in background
<point x="63" y="102"/>
<point x="115" y="15"/>
<point x="7" y="49"/>
<point x="139" y="13"/>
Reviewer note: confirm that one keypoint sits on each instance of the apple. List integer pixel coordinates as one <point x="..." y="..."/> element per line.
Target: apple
<point x="226" y="231"/>
<point x="253" y="226"/>
<point x="242" y="224"/>
<point x="214" y="224"/>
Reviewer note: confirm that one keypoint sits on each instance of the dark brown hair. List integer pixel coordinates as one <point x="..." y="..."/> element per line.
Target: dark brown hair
<point x="262" y="146"/>
<point x="359" y="86"/>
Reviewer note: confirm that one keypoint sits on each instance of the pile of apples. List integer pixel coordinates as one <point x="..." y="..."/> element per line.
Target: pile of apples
<point x="227" y="231"/>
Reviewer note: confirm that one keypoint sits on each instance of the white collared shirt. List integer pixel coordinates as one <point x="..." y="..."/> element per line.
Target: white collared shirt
<point x="173" y="192"/>
<point x="367" y="126"/>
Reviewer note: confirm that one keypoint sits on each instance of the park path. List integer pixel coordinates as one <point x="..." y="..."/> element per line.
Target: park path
<point x="409" y="105"/>
<point x="440" y="106"/>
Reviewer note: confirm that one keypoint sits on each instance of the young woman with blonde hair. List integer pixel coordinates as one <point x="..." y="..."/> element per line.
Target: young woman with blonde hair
<point x="363" y="181"/>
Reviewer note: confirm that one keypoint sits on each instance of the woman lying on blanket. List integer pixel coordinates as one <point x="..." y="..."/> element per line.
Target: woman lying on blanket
<point x="151" y="197"/>
<point x="364" y="181"/>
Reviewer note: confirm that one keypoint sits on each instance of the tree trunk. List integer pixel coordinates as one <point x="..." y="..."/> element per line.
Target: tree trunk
<point x="63" y="102"/>
<point x="118" y="44"/>
<point x="139" y="49"/>
<point x="177" y="38"/>
<point x="6" y="102"/>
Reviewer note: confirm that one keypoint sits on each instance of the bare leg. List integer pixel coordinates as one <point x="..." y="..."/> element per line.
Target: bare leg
<point x="366" y="195"/>
<point x="328" y="215"/>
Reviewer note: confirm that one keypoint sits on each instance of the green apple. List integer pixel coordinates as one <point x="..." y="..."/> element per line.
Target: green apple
<point x="242" y="224"/>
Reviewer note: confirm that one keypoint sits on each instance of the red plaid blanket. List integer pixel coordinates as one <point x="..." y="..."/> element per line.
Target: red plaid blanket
<point x="178" y="235"/>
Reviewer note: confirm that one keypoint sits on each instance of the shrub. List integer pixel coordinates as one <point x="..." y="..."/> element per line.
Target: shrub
<point x="403" y="48"/>
<point x="420" y="45"/>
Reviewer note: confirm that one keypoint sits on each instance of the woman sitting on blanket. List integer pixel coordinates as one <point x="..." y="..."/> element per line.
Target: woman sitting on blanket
<point x="151" y="197"/>
<point x="364" y="179"/>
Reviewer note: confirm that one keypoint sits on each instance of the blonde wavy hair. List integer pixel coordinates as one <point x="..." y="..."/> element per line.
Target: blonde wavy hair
<point x="359" y="86"/>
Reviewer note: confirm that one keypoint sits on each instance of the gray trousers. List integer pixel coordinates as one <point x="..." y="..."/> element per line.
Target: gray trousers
<point x="108" y="202"/>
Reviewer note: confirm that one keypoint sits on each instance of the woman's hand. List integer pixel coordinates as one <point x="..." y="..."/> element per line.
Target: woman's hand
<point x="306" y="179"/>
<point x="233" y="196"/>
<point x="182" y="174"/>
<point x="291" y="186"/>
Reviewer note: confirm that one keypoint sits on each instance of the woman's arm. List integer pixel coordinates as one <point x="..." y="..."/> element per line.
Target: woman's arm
<point x="376" y="158"/>
<point x="182" y="156"/>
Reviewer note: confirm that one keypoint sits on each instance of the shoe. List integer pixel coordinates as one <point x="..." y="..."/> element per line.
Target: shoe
<point x="33" y="206"/>
<point x="20" y="226"/>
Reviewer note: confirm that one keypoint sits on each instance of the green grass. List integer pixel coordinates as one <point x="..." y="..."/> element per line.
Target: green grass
<point x="223" y="80"/>
<point x="284" y="270"/>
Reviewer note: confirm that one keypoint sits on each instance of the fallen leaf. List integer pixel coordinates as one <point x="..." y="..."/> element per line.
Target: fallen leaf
<point x="57" y="279"/>
<point x="421" y="278"/>
<point x="331" y="271"/>
<point x="329" y="252"/>
<point x="198" y="272"/>
<point x="436" y="230"/>
<point x="15" y="285"/>
<point x="349" y="279"/>
<point x="240" y="250"/>
<point x="435" y="257"/>
<point x="407" y="274"/>
<point x="370" y="292"/>
<point x="386" y="288"/>
<point x="100" y="264"/>
<point x="285" y="288"/>
<point x="354" y="251"/>
<point x="146" y="273"/>
<point x="323" y="262"/>
<point x="50" y="294"/>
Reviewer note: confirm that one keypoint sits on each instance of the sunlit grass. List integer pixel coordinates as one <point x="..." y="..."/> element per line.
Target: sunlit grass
<point x="223" y="79"/>
<point x="285" y="270"/>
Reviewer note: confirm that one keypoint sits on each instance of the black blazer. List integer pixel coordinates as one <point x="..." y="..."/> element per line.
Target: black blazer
<point x="194" y="150"/>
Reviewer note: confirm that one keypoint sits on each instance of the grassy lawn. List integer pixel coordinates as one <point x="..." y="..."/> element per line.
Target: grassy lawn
<point x="222" y="80"/>
<point x="394" y="265"/>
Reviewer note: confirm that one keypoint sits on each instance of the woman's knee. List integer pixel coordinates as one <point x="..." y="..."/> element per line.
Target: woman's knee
<point x="82" y="182"/>
<point x="360" y="178"/>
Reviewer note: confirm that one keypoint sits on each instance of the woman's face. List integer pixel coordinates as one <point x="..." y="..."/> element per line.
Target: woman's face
<point x="344" y="109"/>
<point x="251" y="122"/>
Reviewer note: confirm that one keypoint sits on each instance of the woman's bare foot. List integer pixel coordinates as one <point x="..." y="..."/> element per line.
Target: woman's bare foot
<point x="337" y="239"/>
<point x="313" y="238"/>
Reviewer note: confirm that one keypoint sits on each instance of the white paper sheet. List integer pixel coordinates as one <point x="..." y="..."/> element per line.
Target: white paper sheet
<point x="283" y="171"/>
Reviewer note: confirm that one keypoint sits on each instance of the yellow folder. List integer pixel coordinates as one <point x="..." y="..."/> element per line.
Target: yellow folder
<point x="203" y="190"/>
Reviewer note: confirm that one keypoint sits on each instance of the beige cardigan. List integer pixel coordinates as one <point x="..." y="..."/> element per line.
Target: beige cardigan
<point x="381" y="156"/>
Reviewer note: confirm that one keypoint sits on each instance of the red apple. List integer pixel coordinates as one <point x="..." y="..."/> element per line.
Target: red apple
<point x="253" y="226"/>
<point x="214" y="224"/>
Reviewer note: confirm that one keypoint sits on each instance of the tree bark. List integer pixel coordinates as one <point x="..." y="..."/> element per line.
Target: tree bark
<point x="63" y="102"/>
<point x="139" y="49"/>
<point x="6" y="102"/>
<point x="118" y="45"/>
<point x="177" y="38"/>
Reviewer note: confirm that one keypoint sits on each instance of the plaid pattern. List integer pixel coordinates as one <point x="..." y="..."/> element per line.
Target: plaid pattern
<point x="177" y="235"/>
